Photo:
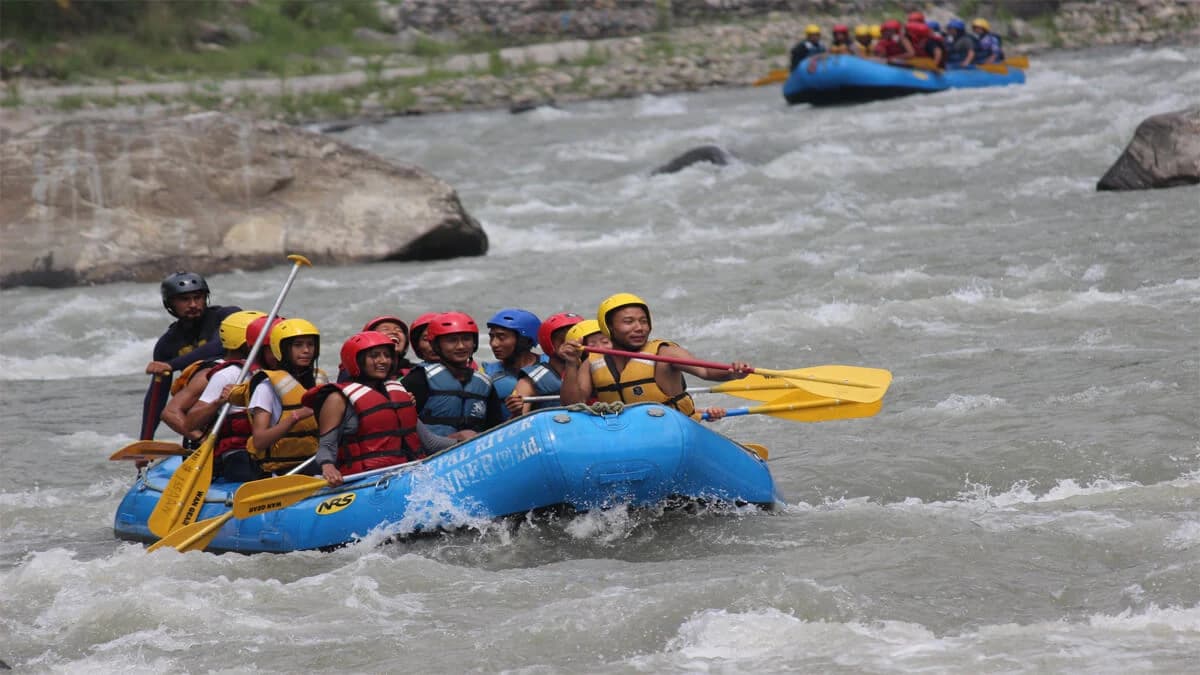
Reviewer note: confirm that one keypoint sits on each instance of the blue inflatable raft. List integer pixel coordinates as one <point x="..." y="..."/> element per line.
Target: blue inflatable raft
<point x="558" y="458"/>
<point x="831" y="79"/>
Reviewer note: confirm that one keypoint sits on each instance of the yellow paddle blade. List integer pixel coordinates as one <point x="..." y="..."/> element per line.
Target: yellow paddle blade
<point x="760" y="450"/>
<point x="754" y="387"/>
<point x="1020" y="61"/>
<point x="194" y="537"/>
<point x="775" y="76"/>
<point x="848" y="383"/>
<point x="270" y="494"/>
<point x="184" y="495"/>
<point x="802" y="407"/>
<point x="921" y="63"/>
<point x="992" y="68"/>
<point x="148" y="450"/>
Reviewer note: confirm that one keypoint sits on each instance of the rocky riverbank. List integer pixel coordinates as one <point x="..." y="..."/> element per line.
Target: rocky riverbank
<point x="673" y="48"/>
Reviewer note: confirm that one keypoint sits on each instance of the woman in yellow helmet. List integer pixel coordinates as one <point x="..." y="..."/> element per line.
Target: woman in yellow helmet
<point x="809" y="46"/>
<point x="990" y="49"/>
<point x="625" y="319"/>
<point x="285" y="431"/>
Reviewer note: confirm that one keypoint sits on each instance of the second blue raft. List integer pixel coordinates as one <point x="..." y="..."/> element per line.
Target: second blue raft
<point x="832" y="79"/>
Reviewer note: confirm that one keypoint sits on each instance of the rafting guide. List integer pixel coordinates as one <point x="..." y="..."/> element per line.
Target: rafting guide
<point x="192" y="337"/>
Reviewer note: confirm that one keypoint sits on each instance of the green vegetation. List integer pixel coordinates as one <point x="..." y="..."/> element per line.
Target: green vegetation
<point x="70" y="40"/>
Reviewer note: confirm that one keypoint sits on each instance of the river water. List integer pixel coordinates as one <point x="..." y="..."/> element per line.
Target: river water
<point x="1028" y="500"/>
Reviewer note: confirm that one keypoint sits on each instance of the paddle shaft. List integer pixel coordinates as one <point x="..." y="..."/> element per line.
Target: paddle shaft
<point x="720" y="389"/>
<point x="297" y="262"/>
<point x="723" y="366"/>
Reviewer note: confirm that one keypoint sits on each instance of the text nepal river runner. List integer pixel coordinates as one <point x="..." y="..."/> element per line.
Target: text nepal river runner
<point x="1028" y="499"/>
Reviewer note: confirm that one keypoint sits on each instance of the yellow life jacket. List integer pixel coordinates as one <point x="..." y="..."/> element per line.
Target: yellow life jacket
<point x="635" y="383"/>
<point x="300" y="442"/>
<point x="186" y="375"/>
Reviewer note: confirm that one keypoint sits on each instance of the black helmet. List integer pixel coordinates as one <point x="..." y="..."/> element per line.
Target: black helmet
<point x="180" y="283"/>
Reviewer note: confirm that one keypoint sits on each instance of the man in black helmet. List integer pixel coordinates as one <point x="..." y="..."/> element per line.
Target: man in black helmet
<point x="192" y="338"/>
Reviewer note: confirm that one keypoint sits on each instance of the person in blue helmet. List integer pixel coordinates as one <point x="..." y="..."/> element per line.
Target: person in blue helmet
<point x="960" y="45"/>
<point x="512" y="335"/>
<point x="194" y="336"/>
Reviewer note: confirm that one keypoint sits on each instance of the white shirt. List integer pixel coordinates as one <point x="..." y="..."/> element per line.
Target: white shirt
<point x="264" y="398"/>
<point x="217" y="382"/>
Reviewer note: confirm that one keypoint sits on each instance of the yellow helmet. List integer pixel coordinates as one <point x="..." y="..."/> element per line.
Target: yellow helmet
<point x="233" y="328"/>
<point x="982" y="23"/>
<point x="583" y="329"/>
<point x="614" y="302"/>
<point x="876" y="31"/>
<point x="862" y="30"/>
<point x="812" y="29"/>
<point x="290" y="328"/>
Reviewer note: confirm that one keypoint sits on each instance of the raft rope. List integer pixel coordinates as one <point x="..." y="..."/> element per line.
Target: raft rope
<point x="599" y="408"/>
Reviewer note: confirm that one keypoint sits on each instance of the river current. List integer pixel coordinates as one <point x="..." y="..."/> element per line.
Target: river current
<point x="1028" y="499"/>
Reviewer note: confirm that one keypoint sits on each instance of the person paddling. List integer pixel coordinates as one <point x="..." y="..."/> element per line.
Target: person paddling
<point x="370" y="421"/>
<point x="625" y="319"/>
<point x="453" y="397"/>
<point x="544" y="378"/>
<point x="285" y="433"/>
<point x="989" y="49"/>
<point x="192" y="382"/>
<point x="809" y="46"/>
<point x="960" y="47"/>
<point x="192" y="337"/>
<point x="512" y="335"/>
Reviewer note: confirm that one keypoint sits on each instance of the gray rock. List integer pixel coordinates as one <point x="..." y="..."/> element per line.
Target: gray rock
<point x="1164" y="152"/>
<point x="99" y="201"/>
<point x="703" y="153"/>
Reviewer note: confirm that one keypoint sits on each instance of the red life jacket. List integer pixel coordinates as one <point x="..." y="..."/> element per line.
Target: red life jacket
<point x="387" y="428"/>
<point x="889" y="48"/>
<point x="236" y="431"/>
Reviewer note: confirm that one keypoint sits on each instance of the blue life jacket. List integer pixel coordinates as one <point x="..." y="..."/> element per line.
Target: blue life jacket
<point x="986" y="46"/>
<point x="546" y="382"/>
<point x="504" y="381"/>
<point x="452" y="406"/>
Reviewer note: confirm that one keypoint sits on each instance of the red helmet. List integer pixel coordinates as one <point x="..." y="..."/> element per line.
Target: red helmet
<point x="370" y="325"/>
<point x="360" y="343"/>
<point x="916" y="17"/>
<point x="840" y="28"/>
<point x="256" y="328"/>
<point x="891" y="24"/>
<point x="551" y="324"/>
<point x="450" y="323"/>
<point x="915" y="29"/>
<point x="419" y="325"/>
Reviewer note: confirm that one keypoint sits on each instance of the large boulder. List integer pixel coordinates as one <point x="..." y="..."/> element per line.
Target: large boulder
<point x="99" y="201"/>
<point x="1164" y="152"/>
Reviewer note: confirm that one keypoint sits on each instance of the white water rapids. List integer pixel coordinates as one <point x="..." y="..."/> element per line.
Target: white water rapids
<point x="1028" y="499"/>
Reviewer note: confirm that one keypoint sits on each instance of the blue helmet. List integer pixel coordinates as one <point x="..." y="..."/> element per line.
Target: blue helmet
<point x="956" y="24"/>
<point x="933" y="26"/>
<point x="524" y="323"/>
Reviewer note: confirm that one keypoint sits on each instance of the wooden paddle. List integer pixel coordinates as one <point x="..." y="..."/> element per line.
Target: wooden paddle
<point x="183" y="496"/>
<point x="802" y="407"/>
<point x="775" y="76"/>
<point x="848" y="383"/>
<point x="148" y="450"/>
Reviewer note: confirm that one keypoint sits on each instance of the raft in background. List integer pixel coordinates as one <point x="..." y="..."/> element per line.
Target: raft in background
<point x="646" y="455"/>
<point x="831" y="79"/>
